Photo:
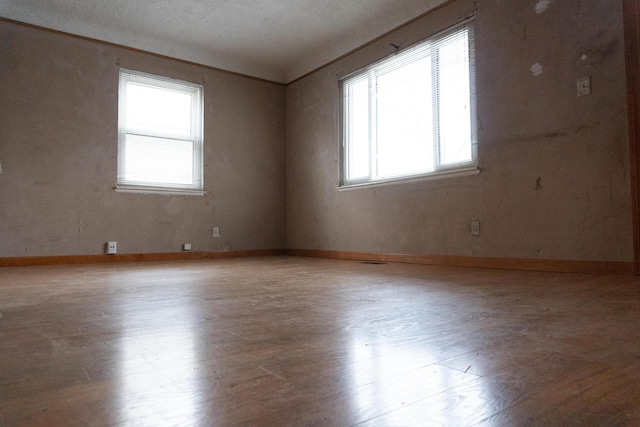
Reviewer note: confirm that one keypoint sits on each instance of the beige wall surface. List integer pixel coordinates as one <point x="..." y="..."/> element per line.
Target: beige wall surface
<point x="58" y="151"/>
<point x="554" y="180"/>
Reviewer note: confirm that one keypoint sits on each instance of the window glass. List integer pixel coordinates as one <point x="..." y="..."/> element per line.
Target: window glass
<point x="160" y="137"/>
<point x="411" y="114"/>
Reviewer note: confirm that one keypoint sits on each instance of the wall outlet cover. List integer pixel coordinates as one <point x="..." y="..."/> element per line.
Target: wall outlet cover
<point x="583" y="86"/>
<point x="475" y="228"/>
<point x="111" y="248"/>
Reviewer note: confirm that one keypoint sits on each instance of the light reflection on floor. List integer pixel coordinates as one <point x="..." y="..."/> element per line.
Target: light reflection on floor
<point x="384" y="375"/>
<point x="157" y="373"/>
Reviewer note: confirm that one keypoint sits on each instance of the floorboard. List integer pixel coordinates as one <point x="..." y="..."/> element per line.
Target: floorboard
<point x="291" y="341"/>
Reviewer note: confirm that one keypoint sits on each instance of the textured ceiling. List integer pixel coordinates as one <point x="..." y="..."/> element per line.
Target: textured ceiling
<point x="278" y="40"/>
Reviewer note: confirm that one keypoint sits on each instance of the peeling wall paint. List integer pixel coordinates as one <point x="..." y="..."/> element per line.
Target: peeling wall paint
<point x="536" y="69"/>
<point x="542" y="6"/>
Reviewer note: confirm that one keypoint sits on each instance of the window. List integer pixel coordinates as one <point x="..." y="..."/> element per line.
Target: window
<point x="159" y="135"/>
<point x="412" y="114"/>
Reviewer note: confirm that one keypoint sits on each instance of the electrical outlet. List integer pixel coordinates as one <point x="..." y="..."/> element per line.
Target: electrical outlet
<point x="583" y="86"/>
<point x="475" y="228"/>
<point x="216" y="231"/>
<point x="111" y="248"/>
<point x="186" y="247"/>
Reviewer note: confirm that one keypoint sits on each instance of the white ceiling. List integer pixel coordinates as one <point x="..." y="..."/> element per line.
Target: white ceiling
<point x="278" y="40"/>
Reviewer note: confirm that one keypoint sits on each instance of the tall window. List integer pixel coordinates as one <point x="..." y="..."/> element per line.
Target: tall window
<point x="411" y="114"/>
<point x="159" y="134"/>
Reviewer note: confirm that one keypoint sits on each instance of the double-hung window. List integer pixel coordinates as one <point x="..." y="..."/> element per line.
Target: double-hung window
<point x="411" y="114"/>
<point x="160" y="134"/>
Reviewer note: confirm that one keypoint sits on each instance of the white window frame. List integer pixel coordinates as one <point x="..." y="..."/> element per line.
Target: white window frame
<point x="397" y="60"/>
<point x="127" y="182"/>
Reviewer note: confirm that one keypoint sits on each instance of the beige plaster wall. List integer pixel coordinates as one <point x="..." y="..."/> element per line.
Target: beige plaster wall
<point x="58" y="151"/>
<point x="554" y="181"/>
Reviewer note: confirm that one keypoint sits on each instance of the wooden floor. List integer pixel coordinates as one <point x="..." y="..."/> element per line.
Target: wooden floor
<point x="284" y="341"/>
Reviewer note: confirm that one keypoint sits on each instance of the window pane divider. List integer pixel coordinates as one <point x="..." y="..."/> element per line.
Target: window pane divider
<point x="162" y="136"/>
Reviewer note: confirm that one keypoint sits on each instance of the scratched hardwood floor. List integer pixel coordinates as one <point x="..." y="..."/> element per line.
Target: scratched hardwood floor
<point x="286" y="341"/>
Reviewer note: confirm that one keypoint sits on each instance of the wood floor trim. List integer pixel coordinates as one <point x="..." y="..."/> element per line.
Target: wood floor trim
<point x="558" y="266"/>
<point x="124" y="258"/>
<point x="547" y="265"/>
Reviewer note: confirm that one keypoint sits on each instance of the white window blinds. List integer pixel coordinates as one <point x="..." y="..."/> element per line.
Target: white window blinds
<point x="412" y="113"/>
<point x="160" y="134"/>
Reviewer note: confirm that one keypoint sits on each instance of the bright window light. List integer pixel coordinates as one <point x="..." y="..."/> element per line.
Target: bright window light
<point x="411" y="114"/>
<point x="160" y="134"/>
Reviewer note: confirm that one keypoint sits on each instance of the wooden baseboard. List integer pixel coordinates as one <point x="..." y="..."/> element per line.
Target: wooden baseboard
<point x="120" y="258"/>
<point x="558" y="266"/>
<point x="548" y="265"/>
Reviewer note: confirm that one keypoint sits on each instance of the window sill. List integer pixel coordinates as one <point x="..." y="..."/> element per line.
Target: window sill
<point x="160" y="191"/>
<point x="473" y="170"/>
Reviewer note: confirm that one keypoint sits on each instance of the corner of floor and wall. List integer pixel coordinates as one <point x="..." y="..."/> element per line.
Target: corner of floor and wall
<point x="554" y="190"/>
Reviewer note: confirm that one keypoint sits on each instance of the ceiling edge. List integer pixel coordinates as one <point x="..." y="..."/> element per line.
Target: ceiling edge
<point x="133" y="49"/>
<point x="235" y="73"/>
<point x="399" y="27"/>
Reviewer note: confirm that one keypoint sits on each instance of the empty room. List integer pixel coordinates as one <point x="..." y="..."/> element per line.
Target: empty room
<point x="319" y="213"/>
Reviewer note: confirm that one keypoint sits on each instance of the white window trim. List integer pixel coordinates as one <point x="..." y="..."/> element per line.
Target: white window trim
<point x="444" y="171"/>
<point x="431" y="176"/>
<point x="122" y="185"/>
